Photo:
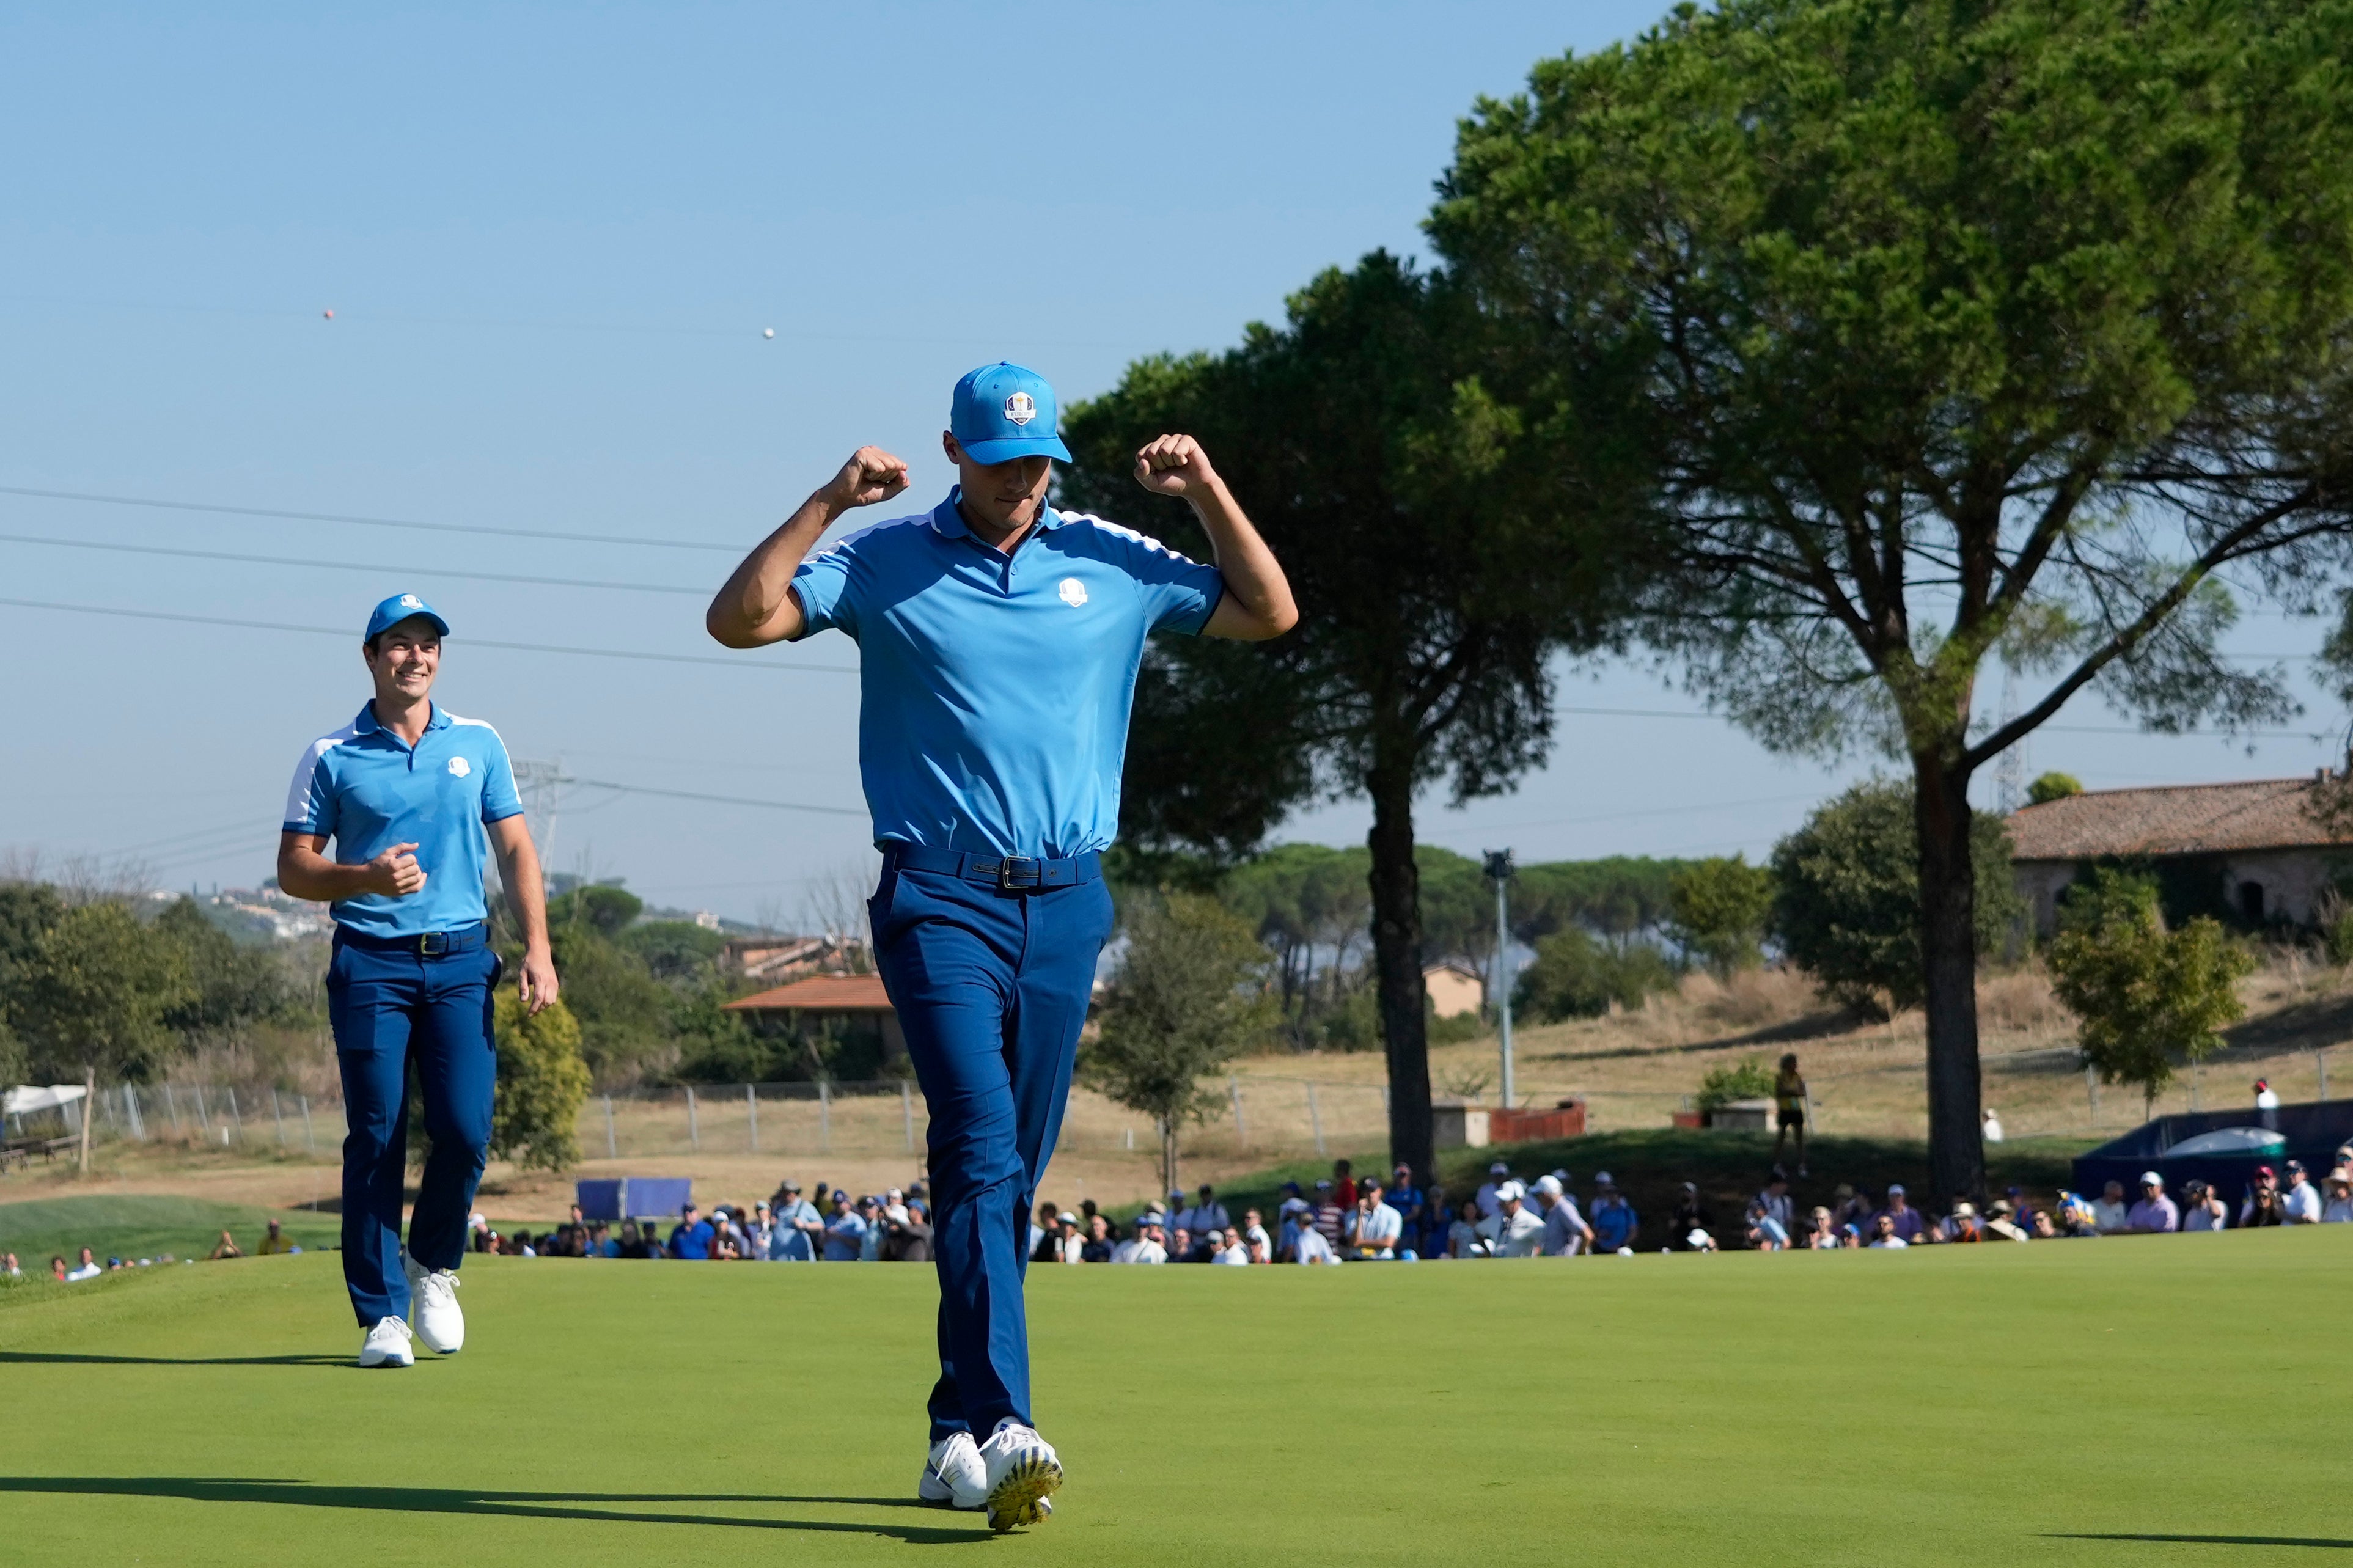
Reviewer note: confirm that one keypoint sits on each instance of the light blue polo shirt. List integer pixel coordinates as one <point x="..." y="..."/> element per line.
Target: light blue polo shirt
<point x="995" y="690"/>
<point x="364" y="788"/>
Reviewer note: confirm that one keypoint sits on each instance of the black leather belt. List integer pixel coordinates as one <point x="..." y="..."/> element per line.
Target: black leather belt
<point x="1006" y="873"/>
<point x="424" y="944"/>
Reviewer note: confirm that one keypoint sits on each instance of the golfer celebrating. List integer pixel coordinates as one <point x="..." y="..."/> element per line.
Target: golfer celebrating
<point x="998" y="641"/>
<point x="405" y="791"/>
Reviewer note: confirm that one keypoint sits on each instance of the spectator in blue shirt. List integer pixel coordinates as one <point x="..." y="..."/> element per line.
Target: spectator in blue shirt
<point x="845" y="1233"/>
<point x="798" y="1229"/>
<point x="690" y="1237"/>
<point x="1615" y="1224"/>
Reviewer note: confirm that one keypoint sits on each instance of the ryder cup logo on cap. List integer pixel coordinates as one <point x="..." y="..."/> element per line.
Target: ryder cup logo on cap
<point x="400" y="607"/>
<point x="1004" y="411"/>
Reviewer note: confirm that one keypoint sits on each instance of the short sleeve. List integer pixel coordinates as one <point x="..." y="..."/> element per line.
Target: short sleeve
<point x="823" y="583"/>
<point x="310" y="798"/>
<point x="499" y="800"/>
<point x="1178" y="592"/>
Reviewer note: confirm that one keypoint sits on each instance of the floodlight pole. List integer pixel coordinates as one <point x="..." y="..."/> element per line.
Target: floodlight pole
<point x="1499" y="869"/>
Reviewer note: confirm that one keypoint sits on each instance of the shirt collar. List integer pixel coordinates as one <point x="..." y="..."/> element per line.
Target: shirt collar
<point x="366" y="724"/>
<point x="947" y="520"/>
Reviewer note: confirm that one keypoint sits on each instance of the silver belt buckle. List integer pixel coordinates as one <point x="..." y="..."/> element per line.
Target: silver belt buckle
<point x="1015" y="872"/>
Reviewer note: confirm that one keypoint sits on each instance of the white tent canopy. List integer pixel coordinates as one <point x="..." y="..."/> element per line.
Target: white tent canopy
<point x="32" y="1097"/>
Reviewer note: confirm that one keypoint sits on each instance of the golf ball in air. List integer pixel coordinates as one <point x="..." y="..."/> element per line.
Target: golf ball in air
<point x="767" y="331"/>
<point x="331" y="315"/>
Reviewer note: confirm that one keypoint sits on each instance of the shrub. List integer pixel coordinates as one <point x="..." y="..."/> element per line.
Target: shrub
<point x="1575" y="976"/>
<point x="1750" y="1079"/>
<point x="541" y="1084"/>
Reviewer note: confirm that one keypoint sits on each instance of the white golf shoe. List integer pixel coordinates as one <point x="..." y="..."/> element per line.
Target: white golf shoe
<point x="1023" y="1476"/>
<point x="433" y="1302"/>
<point x="954" y="1474"/>
<point x="387" y="1345"/>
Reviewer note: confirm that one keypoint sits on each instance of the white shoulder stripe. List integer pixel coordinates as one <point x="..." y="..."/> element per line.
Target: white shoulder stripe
<point x="1122" y="530"/>
<point x="297" y="795"/>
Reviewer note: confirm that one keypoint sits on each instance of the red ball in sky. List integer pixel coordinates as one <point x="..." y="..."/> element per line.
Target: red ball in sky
<point x="331" y="315"/>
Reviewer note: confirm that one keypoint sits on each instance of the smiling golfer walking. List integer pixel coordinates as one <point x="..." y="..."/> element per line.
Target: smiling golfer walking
<point x="406" y="791"/>
<point x="998" y="646"/>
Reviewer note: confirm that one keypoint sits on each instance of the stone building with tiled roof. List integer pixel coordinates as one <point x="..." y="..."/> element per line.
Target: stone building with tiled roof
<point x="2255" y="849"/>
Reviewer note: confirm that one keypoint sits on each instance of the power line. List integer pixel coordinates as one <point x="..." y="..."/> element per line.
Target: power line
<point x="286" y="516"/>
<point x="408" y="571"/>
<point x="347" y="634"/>
<point x="718" y="799"/>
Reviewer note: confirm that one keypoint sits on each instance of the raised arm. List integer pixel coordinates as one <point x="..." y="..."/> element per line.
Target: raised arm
<point x="757" y="606"/>
<point x="1257" y="602"/>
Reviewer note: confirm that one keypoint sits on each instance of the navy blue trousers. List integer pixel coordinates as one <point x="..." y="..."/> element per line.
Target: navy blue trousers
<point x="390" y="1009"/>
<point x="991" y="989"/>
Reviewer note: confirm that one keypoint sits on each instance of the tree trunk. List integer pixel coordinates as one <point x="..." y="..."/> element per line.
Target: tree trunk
<point x="1168" y="1156"/>
<point x="1949" y="969"/>
<point x="1397" y="964"/>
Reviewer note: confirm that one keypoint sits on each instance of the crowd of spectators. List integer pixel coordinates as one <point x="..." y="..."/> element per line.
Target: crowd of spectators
<point x="1348" y="1218"/>
<point x="894" y="1227"/>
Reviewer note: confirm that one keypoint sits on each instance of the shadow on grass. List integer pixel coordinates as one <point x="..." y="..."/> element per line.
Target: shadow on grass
<point x="474" y="1503"/>
<point x="2219" y="1539"/>
<point x="76" y="1358"/>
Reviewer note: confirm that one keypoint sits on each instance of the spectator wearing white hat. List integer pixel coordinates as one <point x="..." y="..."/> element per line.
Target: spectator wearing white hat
<point x="2336" y="1208"/>
<point x="1615" y="1223"/>
<point x="1566" y="1233"/>
<point x="1070" y="1242"/>
<point x="1497" y="1175"/>
<point x="1373" y="1227"/>
<point x="1513" y="1230"/>
<point x="2154" y="1212"/>
<point x="1909" y="1225"/>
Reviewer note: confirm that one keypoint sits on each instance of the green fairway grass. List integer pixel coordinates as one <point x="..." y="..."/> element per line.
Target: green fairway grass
<point x="2126" y="1401"/>
<point x="135" y="1227"/>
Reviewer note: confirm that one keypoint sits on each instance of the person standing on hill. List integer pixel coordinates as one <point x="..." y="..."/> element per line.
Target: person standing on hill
<point x="999" y="641"/>
<point x="1790" y="1110"/>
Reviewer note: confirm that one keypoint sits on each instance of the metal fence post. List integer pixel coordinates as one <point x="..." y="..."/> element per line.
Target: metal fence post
<point x="824" y="1117"/>
<point x="308" y="1141"/>
<point x="693" y="1135"/>
<point x="1315" y="1118"/>
<point x="278" y="1116"/>
<point x="1234" y="1089"/>
<point x="907" y="1113"/>
<point x="235" y="1120"/>
<point x="171" y="1106"/>
<point x="612" y="1143"/>
<point x="752" y="1112"/>
<point x="131" y="1104"/>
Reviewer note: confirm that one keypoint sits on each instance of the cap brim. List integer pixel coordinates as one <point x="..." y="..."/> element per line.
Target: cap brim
<point x="440" y="626"/>
<point x="1012" y="446"/>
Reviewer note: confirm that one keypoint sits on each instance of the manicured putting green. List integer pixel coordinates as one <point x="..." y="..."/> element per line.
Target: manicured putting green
<point x="2120" y="1402"/>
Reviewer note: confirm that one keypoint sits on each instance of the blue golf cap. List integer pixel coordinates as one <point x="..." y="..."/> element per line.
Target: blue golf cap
<point x="1004" y="411"/>
<point x="398" y="608"/>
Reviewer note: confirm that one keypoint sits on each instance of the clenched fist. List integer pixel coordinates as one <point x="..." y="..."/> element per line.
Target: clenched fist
<point x="396" y="872"/>
<point x="872" y="475"/>
<point x="1174" y="466"/>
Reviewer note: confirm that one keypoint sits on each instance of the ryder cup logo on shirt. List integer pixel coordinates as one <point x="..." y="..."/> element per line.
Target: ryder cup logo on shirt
<point x="460" y="767"/>
<point x="1074" y="593"/>
<point x="1020" y="408"/>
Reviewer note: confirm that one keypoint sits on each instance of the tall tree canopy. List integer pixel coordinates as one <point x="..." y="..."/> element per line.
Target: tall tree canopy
<point x="1912" y="329"/>
<point x="1395" y="490"/>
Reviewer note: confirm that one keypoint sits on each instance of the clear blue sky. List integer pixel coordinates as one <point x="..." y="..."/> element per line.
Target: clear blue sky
<point x="551" y="238"/>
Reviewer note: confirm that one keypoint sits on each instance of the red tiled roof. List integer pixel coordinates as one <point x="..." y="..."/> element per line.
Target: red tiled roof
<point x="820" y="994"/>
<point x="2179" y="819"/>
